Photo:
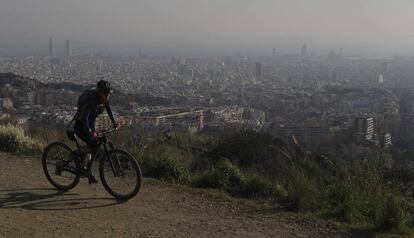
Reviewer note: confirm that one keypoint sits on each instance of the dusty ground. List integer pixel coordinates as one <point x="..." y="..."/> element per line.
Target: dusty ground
<point x="29" y="207"/>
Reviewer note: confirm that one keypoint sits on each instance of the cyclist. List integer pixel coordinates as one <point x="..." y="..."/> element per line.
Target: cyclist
<point x="92" y="103"/>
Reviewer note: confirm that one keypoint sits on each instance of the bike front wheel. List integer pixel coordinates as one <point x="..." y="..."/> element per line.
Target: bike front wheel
<point x="60" y="166"/>
<point x="120" y="174"/>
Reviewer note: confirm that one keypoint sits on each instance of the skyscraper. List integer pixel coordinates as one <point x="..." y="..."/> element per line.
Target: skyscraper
<point x="51" y="47"/>
<point x="212" y="75"/>
<point x="274" y="53"/>
<point x="331" y="55"/>
<point x="181" y="69"/>
<point x="383" y="68"/>
<point x="364" y="128"/>
<point x="304" y="51"/>
<point x="382" y="72"/>
<point x="259" y="73"/>
<point x="68" y="52"/>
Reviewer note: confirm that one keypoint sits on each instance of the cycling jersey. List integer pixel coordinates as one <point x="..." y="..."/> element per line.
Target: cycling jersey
<point x="89" y="108"/>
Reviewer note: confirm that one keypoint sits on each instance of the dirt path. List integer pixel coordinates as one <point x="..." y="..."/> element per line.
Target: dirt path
<point x="29" y="207"/>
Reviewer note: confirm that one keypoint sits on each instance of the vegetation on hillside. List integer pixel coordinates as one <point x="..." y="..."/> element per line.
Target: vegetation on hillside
<point x="369" y="192"/>
<point x="366" y="193"/>
<point x="14" y="139"/>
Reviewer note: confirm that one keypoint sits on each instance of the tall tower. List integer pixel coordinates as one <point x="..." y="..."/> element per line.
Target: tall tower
<point x="384" y="68"/>
<point x="341" y="53"/>
<point x="274" y="53"/>
<point x="51" y="47"/>
<point x="382" y="72"/>
<point x="304" y="51"/>
<point x="259" y="72"/>
<point x="364" y="128"/>
<point x="68" y="52"/>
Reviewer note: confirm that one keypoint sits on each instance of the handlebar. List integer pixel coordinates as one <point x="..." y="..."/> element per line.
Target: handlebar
<point x="106" y="132"/>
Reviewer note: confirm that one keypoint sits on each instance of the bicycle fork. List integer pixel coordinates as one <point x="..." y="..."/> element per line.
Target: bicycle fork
<point x="114" y="162"/>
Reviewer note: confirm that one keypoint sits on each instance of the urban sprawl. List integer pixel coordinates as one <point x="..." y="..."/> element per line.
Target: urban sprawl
<point x="305" y="97"/>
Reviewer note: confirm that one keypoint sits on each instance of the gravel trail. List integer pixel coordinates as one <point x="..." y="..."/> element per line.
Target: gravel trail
<point x="30" y="207"/>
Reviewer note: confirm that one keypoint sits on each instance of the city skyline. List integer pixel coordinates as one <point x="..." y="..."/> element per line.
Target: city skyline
<point x="215" y="27"/>
<point x="65" y="50"/>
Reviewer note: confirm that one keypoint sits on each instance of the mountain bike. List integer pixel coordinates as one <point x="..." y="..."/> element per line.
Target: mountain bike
<point x="119" y="171"/>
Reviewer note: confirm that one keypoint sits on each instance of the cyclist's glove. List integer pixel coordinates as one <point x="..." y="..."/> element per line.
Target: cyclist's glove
<point x="94" y="135"/>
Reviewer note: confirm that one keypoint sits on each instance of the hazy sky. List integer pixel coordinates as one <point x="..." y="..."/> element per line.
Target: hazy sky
<point x="207" y="26"/>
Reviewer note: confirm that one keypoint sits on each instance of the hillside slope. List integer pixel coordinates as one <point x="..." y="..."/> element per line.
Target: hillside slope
<point x="30" y="207"/>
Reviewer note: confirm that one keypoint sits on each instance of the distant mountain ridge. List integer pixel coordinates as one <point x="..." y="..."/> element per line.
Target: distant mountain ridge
<point x="21" y="81"/>
<point x="118" y="98"/>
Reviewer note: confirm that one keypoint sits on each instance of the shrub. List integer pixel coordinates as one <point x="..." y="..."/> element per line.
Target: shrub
<point x="223" y="175"/>
<point x="13" y="139"/>
<point x="164" y="169"/>
<point x="137" y="152"/>
<point x="303" y="195"/>
<point x="256" y="186"/>
<point x="209" y="179"/>
<point x="162" y="161"/>
<point x="47" y="134"/>
<point x="365" y="202"/>
<point x="349" y="204"/>
<point x="8" y="120"/>
<point x="228" y="177"/>
<point x="391" y="217"/>
<point x="232" y="175"/>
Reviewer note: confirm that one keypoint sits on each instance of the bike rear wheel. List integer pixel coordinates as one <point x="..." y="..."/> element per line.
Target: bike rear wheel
<point x="120" y="174"/>
<point x="61" y="166"/>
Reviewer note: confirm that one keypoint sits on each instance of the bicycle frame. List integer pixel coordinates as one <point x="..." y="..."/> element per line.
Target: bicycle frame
<point x="103" y="140"/>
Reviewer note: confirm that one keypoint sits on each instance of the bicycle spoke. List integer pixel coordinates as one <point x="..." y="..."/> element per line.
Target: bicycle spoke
<point x="59" y="166"/>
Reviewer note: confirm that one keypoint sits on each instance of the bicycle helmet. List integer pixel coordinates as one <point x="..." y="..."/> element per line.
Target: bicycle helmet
<point x="104" y="87"/>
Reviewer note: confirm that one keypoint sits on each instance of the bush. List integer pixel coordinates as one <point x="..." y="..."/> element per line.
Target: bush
<point x="8" y="120"/>
<point x="162" y="162"/>
<point x="47" y="134"/>
<point x="350" y="201"/>
<point x="347" y="204"/>
<point x="223" y="175"/>
<point x="303" y="195"/>
<point x="256" y="186"/>
<point x="164" y="169"/>
<point x="209" y="179"/>
<point x="391" y="217"/>
<point x="228" y="177"/>
<point x="364" y="203"/>
<point x="13" y="139"/>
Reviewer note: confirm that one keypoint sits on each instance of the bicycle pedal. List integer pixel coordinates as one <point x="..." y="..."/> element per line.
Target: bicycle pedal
<point x="83" y="173"/>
